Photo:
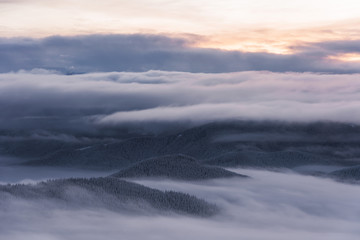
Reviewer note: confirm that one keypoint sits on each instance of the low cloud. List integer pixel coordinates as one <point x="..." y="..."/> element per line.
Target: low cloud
<point x="205" y="113"/>
<point x="269" y="205"/>
<point x="46" y="101"/>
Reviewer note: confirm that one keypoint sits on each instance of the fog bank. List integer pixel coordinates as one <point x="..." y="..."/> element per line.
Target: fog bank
<point x="43" y="102"/>
<point x="271" y="205"/>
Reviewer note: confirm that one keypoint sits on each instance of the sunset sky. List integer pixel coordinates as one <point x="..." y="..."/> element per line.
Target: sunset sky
<point x="184" y="35"/>
<point x="274" y="26"/>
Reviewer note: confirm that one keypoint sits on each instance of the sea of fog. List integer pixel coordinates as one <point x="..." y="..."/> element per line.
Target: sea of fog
<point x="269" y="205"/>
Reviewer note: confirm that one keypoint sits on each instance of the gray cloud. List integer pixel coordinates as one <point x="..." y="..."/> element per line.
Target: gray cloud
<point x="331" y="47"/>
<point x="102" y="53"/>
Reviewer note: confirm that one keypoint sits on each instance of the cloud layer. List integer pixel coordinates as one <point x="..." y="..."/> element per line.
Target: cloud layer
<point x="94" y="53"/>
<point x="48" y="101"/>
<point x="270" y="205"/>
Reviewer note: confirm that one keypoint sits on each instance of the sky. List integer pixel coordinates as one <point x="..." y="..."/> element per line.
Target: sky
<point x="274" y="26"/>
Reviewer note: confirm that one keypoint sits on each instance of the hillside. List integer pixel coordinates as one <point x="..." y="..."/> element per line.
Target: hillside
<point x="260" y="144"/>
<point x="284" y="159"/>
<point x="174" y="166"/>
<point x="109" y="193"/>
<point x="347" y="174"/>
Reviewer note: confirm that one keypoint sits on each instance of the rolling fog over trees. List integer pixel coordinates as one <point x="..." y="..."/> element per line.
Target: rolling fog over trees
<point x="271" y="205"/>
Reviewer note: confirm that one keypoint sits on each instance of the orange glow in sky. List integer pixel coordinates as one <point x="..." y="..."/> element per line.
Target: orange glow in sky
<point x="251" y="25"/>
<point x="347" y="57"/>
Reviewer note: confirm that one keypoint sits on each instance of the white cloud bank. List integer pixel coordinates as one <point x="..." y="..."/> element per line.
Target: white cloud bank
<point x="111" y="99"/>
<point x="270" y="205"/>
